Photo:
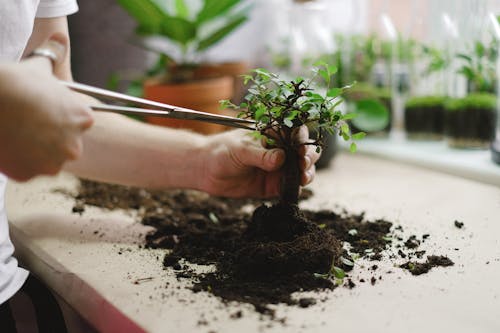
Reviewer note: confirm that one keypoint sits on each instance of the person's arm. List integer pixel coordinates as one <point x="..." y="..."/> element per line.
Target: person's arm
<point x="123" y="151"/>
<point x="44" y="28"/>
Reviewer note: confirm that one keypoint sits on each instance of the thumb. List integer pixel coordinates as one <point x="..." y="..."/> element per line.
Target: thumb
<point x="265" y="159"/>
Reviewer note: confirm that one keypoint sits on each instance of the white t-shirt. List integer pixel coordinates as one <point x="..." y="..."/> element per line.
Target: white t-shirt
<point x="16" y="24"/>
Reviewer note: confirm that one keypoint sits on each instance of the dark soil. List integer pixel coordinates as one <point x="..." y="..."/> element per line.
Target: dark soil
<point x="416" y="268"/>
<point x="425" y="122"/>
<point x="470" y="127"/>
<point x="261" y="258"/>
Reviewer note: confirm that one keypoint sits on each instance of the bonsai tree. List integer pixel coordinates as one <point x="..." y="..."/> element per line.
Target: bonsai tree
<point x="281" y="107"/>
<point x="281" y="240"/>
<point x="189" y="34"/>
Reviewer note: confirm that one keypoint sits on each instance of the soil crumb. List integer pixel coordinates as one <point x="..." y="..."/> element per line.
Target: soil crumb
<point x="262" y="254"/>
<point x="416" y="268"/>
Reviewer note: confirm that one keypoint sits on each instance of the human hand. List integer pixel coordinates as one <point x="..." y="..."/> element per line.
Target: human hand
<point x="41" y="122"/>
<point x="236" y="165"/>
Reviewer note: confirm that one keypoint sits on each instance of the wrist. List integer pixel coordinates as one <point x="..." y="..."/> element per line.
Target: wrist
<point x="184" y="168"/>
<point x="201" y="157"/>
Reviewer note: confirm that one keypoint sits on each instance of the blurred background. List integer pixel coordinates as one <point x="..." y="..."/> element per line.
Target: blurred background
<point x="425" y="72"/>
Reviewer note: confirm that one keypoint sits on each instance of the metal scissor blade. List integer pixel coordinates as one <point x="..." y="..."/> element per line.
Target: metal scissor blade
<point x="175" y="114"/>
<point x="152" y="107"/>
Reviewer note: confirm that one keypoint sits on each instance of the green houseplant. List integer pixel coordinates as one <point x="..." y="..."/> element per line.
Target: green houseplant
<point x="470" y="121"/>
<point x="181" y="76"/>
<point x="424" y="114"/>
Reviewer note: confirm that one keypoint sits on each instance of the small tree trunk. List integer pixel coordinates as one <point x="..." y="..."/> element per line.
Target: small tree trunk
<point x="290" y="181"/>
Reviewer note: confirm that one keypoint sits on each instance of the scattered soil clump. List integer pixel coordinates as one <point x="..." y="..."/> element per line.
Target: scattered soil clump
<point x="416" y="268"/>
<point x="260" y="258"/>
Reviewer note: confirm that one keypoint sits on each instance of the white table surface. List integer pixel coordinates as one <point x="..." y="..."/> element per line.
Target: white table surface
<point x="78" y="256"/>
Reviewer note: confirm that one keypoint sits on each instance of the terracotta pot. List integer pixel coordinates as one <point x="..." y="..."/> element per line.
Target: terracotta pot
<point x="201" y="95"/>
<point x="233" y="69"/>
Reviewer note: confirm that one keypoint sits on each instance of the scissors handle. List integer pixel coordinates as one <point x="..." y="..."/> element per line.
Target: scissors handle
<point x="153" y="108"/>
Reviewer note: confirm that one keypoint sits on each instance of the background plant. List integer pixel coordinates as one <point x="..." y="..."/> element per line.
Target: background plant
<point x="280" y="107"/>
<point x="190" y="32"/>
<point x="478" y="66"/>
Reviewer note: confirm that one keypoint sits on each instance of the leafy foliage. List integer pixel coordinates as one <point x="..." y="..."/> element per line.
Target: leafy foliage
<point x="437" y="59"/>
<point x="483" y="101"/>
<point x="192" y="32"/>
<point x="372" y="116"/>
<point x="279" y="107"/>
<point x="478" y="66"/>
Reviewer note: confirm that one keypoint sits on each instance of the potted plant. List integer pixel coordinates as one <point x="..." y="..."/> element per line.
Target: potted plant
<point x="424" y="114"/>
<point x="182" y="77"/>
<point x="470" y="121"/>
<point x="280" y="108"/>
<point x="373" y="107"/>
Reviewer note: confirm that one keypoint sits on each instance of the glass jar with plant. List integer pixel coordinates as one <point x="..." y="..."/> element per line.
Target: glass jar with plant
<point x="470" y="121"/>
<point x="424" y="112"/>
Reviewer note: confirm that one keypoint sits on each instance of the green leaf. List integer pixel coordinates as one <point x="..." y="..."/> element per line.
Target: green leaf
<point x="321" y="276"/>
<point x="181" y="9"/>
<point x="345" y="129"/>
<point x="353" y="147"/>
<point x="214" y="8"/>
<point x="218" y="35"/>
<point x="332" y="69"/>
<point x="334" y="92"/>
<point x="324" y="74"/>
<point x="288" y="123"/>
<point x="319" y="63"/>
<point x="349" y="116"/>
<point x="147" y="13"/>
<point x="292" y="115"/>
<point x="259" y="113"/>
<point x="372" y="115"/>
<point x="467" y="72"/>
<point x="464" y="57"/>
<point x="358" y="136"/>
<point x="223" y="104"/>
<point x="178" y="29"/>
<point x="338" y="272"/>
<point x="479" y="48"/>
<point x="318" y="149"/>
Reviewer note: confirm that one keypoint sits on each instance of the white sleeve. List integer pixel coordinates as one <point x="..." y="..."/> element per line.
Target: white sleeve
<point x="56" y="8"/>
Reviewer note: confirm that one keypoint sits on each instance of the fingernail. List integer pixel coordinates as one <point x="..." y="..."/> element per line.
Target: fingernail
<point x="275" y="156"/>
